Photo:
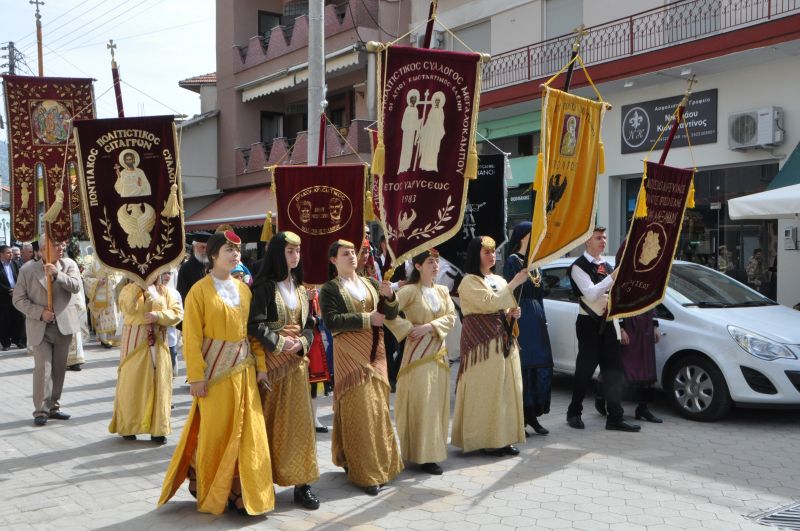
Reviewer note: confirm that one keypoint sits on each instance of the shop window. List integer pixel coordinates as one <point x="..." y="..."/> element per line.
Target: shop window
<point x="271" y="126"/>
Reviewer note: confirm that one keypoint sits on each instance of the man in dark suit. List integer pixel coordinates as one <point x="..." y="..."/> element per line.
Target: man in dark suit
<point x="12" y="323"/>
<point x="194" y="268"/>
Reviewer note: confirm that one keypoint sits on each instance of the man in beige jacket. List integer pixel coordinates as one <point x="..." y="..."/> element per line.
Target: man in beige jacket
<point x="49" y="331"/>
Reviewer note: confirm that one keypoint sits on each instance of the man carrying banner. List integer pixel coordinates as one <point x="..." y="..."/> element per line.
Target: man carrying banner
<point x="591" y="277"/>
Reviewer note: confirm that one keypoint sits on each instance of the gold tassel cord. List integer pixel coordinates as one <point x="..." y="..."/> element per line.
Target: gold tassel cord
<point x="690" y="197"/>
<point x="641" y="201"/>
<point x="267" y="230"/>
<point x="601" y="160"/>
<point x="55" y="209"/>
<point x="171" y="207"/>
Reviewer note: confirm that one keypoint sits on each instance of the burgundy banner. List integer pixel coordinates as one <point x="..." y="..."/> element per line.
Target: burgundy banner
<point x="321" y="204"/>
<point x="131" y="191"/>
<point x="429" y="97"/>
<point x="42" y="154"/>
<point x="647" y="259"/>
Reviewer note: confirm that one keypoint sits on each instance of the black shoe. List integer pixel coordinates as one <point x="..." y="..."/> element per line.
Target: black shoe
<point x="643" y="412"/>
<point x="372" y="490"/>
<point x="40" y="421"/>
<point x="21" y="344"/>
<point x="129" y="437"/>
<point x="510" y="450"/>
<point x="106" y="345"/>
<point x="432" y="468"/>
<point x="622" y="425"/>
<point x="575" y="422"/>
<point x="59" y="415"/>
<point x="494" y="452"/>
<point x="538" y="428"/>
<point x="158" y="439"/>
<point x="321" y="429"/>
<point x="600" y="406"/>
<point x="75" y="367"/>
<point x="306" y="498"/>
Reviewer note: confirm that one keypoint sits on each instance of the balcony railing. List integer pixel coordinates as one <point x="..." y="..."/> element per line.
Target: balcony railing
<point x="651" y="30"/>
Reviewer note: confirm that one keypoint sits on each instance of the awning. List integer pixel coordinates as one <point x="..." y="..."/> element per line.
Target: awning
<point x="240" y="208"/>
<point x="782" y="203"/>
<point x="790" y="172"/>
<point x="295" y="75"/>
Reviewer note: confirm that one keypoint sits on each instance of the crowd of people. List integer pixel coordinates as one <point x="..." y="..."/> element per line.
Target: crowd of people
<point x="258" y="348"/>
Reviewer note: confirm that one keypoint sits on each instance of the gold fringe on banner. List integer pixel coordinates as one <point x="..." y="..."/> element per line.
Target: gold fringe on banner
<point x="52" y="213"/>
<point x="641" y="201"/>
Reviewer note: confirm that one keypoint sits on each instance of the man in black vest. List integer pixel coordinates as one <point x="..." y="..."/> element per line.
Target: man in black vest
<point x="591" y="278"/>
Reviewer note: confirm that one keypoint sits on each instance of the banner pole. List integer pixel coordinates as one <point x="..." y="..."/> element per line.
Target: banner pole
<point x="115" y="78"/>
<point x="678" y="120"/>
<point x="426" y="43"/>
<point x="322" y="135"/>
<point x="576" y="46"/>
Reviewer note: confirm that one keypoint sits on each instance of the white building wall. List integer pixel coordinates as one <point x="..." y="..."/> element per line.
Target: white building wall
<point x="199" y="162"/>
<point x="768" y="82"/>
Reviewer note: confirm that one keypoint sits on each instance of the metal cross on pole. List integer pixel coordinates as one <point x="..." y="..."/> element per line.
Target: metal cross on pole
<point x="580" y="31"/>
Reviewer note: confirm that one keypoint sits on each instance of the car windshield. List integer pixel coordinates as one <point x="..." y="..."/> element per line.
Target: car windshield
<point x="695" y="285"/>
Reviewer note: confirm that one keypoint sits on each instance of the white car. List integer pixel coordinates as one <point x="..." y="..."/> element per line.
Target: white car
<point x="722" y="343"/>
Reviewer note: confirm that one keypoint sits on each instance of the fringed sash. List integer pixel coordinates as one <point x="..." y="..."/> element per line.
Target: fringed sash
<point x="477" y="332"/>
<point x="351" y="354"/>
<point x="225" y="357"/>
<point x="279" y="364"/>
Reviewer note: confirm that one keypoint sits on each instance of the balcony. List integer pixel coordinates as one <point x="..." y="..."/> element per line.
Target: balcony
<point x="657" y="29"/>
<point x="281" y="40"/>
<point x="259" y="155"/>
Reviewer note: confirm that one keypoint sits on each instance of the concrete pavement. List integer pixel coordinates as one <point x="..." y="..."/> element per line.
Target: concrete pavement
<point x="678" y="475"/>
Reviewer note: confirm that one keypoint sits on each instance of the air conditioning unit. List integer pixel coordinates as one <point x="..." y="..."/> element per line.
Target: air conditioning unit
<point x="755" y="129"/>
<point x="437" y="40"/>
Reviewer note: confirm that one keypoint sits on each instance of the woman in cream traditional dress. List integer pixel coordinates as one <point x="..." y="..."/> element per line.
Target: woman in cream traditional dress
<point x="363" y="442"/>
<point x="144" y="378"/>
<point x="281" y="328"/>
<point x="488" y="414"/>
<point x="422" y="407"/>
<point x="223" y="449"/>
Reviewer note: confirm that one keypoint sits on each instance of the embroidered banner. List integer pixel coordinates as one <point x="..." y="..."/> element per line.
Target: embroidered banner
<point x="566" y="174"/>
<point x="652" y="240"/>
<point x="485" y="212"/>
<point x="322" y="204"/>
<point x="131" y="190"/>
<point x="42" y="154"/>
<point x="427" y="128"/>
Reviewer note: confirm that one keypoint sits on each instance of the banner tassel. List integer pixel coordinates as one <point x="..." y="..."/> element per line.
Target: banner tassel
<point x="690" y="197"/>
<point x="266" y="230"/>
<point x="379" y="157"/>
<point x="52" y="213"/>
<point x="471" y="171"/>
<point x="601" y="159"/>
<point x="171" y="208"/>
<point x="369" y="213"/>
<point x="641" y="201"/>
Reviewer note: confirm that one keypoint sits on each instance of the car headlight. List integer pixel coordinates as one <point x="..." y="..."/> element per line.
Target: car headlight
<point x="760" y="346"/>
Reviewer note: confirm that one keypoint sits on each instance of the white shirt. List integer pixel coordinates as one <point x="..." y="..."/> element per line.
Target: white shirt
<point x="289" y="293"/>
<point x="430" y="296"/>
<point x="228" y="291"/>
<point x="9" y="274"/>
<point x="357" y="289"/>
<point x="594" y="295"/>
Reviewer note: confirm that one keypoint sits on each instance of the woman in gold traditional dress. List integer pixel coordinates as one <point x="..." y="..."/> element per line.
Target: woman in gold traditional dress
<point x="422" y="407"/>
<point x="144" y="378"/>
<point x="488" y="414"/>
<point x="363" y="443"/>
<point x="223" y="448"/>
<point x="281" y="329"/>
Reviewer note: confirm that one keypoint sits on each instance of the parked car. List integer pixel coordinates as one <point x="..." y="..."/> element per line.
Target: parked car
<point x="721" y="344"/>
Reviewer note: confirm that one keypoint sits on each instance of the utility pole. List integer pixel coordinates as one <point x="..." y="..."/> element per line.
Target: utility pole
<point x="316" y="75"/>
<point x="12" y="58"/>
<point x="37" y="3"/>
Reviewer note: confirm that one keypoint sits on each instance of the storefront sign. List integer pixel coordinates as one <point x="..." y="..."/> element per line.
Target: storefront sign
<point x="642" y="123"/>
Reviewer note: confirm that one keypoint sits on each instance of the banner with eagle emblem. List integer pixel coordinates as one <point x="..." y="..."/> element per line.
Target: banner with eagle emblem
<point x="131" y="192"/>
<point x="570" y="159"/>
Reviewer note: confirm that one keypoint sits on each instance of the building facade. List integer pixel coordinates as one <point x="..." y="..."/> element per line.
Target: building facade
<point x="743" y="119"/>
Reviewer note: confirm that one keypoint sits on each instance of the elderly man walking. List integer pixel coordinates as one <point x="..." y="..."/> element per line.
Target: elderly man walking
<point x="49" y="330"/>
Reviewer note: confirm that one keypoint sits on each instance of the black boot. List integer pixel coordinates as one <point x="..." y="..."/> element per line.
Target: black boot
<point x="538" y="428"/>
<point x="306" y="498"/>
<point x="643" y="412"/>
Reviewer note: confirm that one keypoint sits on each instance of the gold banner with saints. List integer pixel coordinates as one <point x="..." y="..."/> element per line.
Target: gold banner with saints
<point x="566" y="174"/>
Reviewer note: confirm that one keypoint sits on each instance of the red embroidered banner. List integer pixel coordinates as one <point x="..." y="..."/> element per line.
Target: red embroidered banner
<point x="321" y="204"/>
<point x="131" y="190"/>
<point x="42" y="154"/>
<point x="429" y="108"/>
<point x="647" y="259"/>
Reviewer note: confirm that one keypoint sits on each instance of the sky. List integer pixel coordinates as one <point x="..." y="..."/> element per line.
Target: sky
<point x="159" y="42"/>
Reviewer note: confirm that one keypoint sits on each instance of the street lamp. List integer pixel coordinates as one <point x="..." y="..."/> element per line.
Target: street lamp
<point x="5" y="225"/>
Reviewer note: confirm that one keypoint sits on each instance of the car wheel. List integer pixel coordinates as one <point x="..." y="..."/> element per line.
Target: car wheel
<point x="698" y="389"/>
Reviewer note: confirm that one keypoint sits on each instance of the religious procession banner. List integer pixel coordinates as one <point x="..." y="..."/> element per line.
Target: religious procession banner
<point x="42" y="155"/>
<point x="321" y="204"/>
<point x="485" y="213"/>
<point x="428" y="103"/>
<point x="131" y="191"/>
<point x="643" y="271"/>
<point x="566" y="175"/>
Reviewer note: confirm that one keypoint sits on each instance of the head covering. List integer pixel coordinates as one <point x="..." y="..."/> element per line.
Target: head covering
<point x="201" y="237"/>
<point x="522" y="229"/>
<point x="488" y="242"/>
<point x="218" y="239"/>
<point x="290" y="237"/>
<point x="333" y="250"/>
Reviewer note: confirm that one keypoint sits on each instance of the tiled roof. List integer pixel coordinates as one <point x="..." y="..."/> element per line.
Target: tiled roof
<point x="194" y="83"/>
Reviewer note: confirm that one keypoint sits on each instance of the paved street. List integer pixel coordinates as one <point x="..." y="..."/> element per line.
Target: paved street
<point x="678" y="475"/>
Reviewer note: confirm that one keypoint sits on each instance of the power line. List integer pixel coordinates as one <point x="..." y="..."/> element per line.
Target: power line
<point x="128" y="37"/>
<point x="69" y="62"/>
<point x="50" y="22"/>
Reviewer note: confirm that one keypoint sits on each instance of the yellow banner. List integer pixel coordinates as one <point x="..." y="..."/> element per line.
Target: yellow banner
<point x="566" y="175"/>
